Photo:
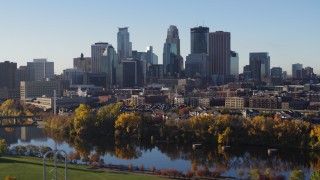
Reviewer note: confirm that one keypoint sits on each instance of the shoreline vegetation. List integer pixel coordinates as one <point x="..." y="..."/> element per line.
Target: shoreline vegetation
<point x="221" y="129"/>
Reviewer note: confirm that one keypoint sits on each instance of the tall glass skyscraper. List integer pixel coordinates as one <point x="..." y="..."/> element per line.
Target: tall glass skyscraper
<point x="260" y="66"/>
<point x="199" y="40"/>
<point x="124" y="44"/>
<point x="42" y="69"/>
<point x="172" y="60"/>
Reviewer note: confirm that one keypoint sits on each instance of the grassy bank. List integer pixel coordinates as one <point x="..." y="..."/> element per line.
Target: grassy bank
<point x="32" y="168"/>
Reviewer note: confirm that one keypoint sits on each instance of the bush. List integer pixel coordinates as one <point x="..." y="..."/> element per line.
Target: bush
<point x="297" y="175"/>
<point x="315" y="175"/>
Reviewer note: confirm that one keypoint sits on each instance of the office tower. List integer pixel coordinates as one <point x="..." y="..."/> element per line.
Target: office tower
<point x="24" y="74"/>
<point x="260" y="66"/>
<point x="151" y="57"/>
<point x="43" y="69"/>
<point x="219" y="56"/>
<point x="109" y="61"/>
<point x="196" y="65"/>
<point x="297" y="71"/>
<point x="124" y="44"/>
<point x="155" y="72"/>
<point x="199" y="40"/>
<point x="234" y="65"/>
<point x="7" y="74"/>
<point x="276" y="75"/>
<point x="74" y="76"/>
<point x="83" y="63"/>
<point x="130" y="73"/>
<point x="284" y="75"/>
<point x="246" y="72"/>
<point x="308" y="73"/>
<point x="97" y="50"/>
<point x="172" y="60"/>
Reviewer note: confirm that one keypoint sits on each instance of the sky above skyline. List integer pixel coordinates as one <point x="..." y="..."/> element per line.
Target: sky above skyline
<point x="62" y="30"/>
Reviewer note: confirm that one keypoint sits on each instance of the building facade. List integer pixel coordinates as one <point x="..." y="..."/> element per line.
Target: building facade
<point x="83" y="63"/>
<point x="199" y="40"/>
<point x="97" y="51"/>
<point x="219" y="56"/>
<point x="260" y="66"/>
<point x="234" y="65"/>
<point x="124" y="47"/>
<point x="7" y="74"/>
<point x="35" y="89"/>
<point x="172" y="60"/>
<point x="43" y="69"/>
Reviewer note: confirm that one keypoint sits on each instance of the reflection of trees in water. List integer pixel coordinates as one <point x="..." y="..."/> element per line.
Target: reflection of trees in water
<point x="210" y="156"/>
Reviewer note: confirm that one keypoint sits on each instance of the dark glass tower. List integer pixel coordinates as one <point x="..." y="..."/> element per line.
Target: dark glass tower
<point x="199" y="40"/>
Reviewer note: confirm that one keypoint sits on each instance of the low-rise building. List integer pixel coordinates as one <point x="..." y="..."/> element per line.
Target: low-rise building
<point x="234" y="102"/>
<point x="263" y="101"/>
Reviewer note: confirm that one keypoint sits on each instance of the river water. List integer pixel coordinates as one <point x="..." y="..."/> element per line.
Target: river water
<point x="234" y="162"/>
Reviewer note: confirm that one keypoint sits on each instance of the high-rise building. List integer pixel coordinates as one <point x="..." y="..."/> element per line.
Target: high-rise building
<point x="151" y="57"/>
<point x="308" y="73"/>
<point x="97" y="50"/>
<point x="75" y="76"/>
<point x="297" y="71"/>
<point x="219" y="56"/>
<point x="276" y="75"/>
<point x="199" y="40"/>
<point x="130" y="73"/>
<point x="24" y="74"/>
<point x="43" y="69"/>
<point x="172" y="60"/>
<point x="124" y="45"/>
<point x="7" y="74"/>
<point x="109" y="61"/>
<point x="234" y="65"/>
<point x="197" y="65"/>
<point x="260" y="66"/>
<point x="83" y="63"/>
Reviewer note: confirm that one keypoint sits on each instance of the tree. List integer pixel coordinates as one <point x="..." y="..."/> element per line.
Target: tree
<point x="82" y="118"/>
<point x="3" y="147"/>
<point x="128" y="123"/>
<point x="10" y="108"/>
<point x="315" y="175"/>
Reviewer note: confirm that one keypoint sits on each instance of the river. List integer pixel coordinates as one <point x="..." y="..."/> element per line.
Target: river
<point x="234" y="162"/>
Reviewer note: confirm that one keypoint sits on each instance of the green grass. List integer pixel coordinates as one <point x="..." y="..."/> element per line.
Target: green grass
<point x="32" y="168"/>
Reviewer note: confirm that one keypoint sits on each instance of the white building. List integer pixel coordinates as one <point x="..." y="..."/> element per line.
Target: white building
<point x="97" y="50"/>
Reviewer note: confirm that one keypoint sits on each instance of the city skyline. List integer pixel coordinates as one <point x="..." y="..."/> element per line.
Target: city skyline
<point x="60" y="31"/>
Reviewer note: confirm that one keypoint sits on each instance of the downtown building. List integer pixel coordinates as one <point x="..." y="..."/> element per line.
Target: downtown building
<point x="219" y="57"/>
<point x="172" y="59"/>
<point x="43" y="69"/>
<point x="8" y="87"/>
<point x="260" y="66"/>
<point x="124" y="46"/>
<point x="197" y="60"/>
<point x="97" y="50"/>
<point x="83" y="63"/>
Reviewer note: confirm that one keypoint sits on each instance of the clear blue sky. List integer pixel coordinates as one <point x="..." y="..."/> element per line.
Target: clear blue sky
<point x="62" y="29"/>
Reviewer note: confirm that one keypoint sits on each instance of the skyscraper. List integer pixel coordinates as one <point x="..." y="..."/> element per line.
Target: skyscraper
<point x="219" y="56"/>
<point x="234" y="65"/>
<point x="260" y="66"/>
<point x="199" y="40"/>
<point x="97" y="50"/>
<point x="24" y="74"/>
<point x="297" y="71"/>
<point x="7" y="74"/>
<point x="109" y="61"/>
<point x="172" y="60"/>
<point x="124" y="44"/>
<point x="42" y="68"/>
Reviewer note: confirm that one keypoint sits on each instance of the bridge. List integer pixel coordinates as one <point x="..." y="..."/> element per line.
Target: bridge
<point x="18" y="121"/>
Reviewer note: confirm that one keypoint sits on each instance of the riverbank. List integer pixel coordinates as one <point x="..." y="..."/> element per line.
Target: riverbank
<point x="32" y="168"/>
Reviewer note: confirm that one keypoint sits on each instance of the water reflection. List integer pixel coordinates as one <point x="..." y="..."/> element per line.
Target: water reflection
<point x="236" y="161"/>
